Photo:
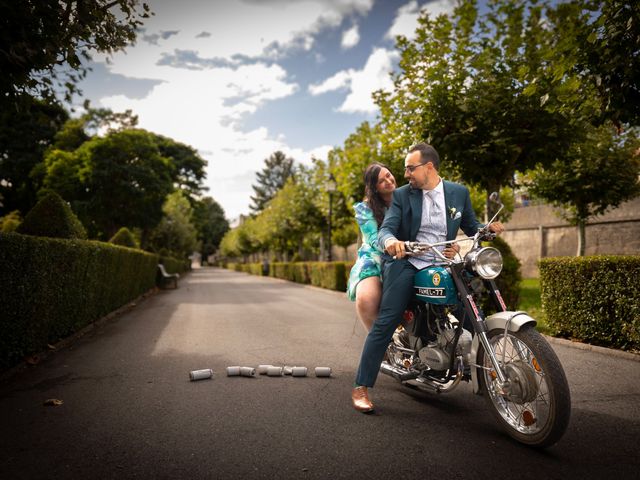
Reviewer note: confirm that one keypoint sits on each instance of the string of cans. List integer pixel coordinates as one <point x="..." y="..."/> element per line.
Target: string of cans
<point x="268" y="370"/>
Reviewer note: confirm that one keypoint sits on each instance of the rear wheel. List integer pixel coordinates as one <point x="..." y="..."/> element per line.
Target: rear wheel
<point x="535" y="405"/>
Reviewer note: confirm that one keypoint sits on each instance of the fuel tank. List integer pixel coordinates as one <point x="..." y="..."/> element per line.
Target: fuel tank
<point x="435" y="285"/>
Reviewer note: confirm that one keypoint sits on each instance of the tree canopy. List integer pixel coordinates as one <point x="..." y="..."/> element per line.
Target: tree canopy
<point x="117" y="180"/>
<point x="24" y="137"/>
<point x="210" y="223"/>
<point x="476" y="87"/>
<point x="43" y="43"/>
<point x="595" y="175"/>
<point x="277" y="170"/>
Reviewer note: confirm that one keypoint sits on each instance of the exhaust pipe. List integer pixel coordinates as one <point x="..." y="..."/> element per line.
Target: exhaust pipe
<point x="397" y="373"/>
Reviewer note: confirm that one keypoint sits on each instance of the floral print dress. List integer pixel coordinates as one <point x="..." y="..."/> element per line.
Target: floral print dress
<point x="368" y="262"/>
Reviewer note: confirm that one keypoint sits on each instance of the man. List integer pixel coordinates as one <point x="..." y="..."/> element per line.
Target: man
<point x="430" y="210"/>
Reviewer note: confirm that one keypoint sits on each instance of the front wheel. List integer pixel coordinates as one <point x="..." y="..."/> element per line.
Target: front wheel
<point x="535" y="405"/>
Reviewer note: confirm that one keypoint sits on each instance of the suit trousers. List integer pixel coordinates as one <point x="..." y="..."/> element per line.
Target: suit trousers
<point x="397" y="291"/>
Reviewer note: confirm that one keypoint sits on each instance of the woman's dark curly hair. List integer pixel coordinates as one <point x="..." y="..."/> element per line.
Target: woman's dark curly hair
<point x="371" y="195"/>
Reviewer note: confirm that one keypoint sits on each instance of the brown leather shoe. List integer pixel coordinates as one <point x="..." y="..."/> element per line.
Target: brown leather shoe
<point x="360" y="400"/>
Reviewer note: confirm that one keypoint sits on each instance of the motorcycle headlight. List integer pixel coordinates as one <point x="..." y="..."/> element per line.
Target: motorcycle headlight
<point x="486" y="262"/>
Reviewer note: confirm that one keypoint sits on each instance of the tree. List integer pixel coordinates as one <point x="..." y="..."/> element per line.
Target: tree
<point x="597" y="174"/>
<point x="43" y="43"/>
<point x="478" y="88"/>
<point x="278" y="169"/>
<point x="607" y="52"/>
<point x="24" y="137"/>
<point x="349" y="162"/>
<point x="175" y="235"/>
<point x="188" y="170"/>
<point x="210" y="223"/>
<point x="117" y="180"/>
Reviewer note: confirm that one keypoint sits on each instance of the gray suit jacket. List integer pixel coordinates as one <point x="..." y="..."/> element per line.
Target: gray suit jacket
<point x="403" y="218"/>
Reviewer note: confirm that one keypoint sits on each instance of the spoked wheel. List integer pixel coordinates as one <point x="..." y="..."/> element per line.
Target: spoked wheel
<point x="535" y="405"/>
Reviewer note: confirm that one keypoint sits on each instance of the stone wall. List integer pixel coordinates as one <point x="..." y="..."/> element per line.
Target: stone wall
<point x="537" y="231"/>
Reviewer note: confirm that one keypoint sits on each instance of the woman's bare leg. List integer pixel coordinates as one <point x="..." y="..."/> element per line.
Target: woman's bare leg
<point x="368" y="293"/>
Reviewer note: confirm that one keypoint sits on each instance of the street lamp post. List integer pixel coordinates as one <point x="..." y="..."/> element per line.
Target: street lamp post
<point x="331" y="189"/>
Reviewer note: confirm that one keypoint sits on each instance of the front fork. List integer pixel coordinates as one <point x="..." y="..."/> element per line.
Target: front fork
<point x="478" y="319"/>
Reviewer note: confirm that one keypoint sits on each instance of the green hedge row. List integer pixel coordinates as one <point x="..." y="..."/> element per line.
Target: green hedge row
<point x="593" y="299"/>
<point x="51" y="288"/>
<point x="175" y="265"/>
<point x="330" y="275"/>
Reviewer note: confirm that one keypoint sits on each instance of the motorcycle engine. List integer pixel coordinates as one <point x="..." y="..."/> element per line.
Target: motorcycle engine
<point x="436" y="354"/>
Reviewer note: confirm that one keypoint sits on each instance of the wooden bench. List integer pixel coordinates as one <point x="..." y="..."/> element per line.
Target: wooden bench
<point x="167" y="278"/>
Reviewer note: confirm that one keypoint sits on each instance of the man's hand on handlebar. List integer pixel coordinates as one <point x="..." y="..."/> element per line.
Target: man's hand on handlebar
<point x="396" y="249"/>
<point x="496" y="227"/>
<point x="451" y="250"/>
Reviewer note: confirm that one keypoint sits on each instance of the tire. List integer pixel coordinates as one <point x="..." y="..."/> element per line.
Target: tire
<point x="536" y="410"/>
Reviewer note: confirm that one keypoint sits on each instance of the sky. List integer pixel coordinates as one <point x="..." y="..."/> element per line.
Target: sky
<point x="240" y="79"/>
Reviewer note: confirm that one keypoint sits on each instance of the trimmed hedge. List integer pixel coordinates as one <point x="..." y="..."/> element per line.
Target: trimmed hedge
<point x="52" y="217"/>
<point x="593" y="299"/>
<point x="124" y="238"/>
<point x="330" y="275"/>
<point x="51" y="288"/>
<point x="175" y="265"/>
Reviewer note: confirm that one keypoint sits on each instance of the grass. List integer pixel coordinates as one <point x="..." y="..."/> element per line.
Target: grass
<point x="530" y="303"/>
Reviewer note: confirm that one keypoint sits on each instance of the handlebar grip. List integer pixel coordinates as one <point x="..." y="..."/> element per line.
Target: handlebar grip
<point x="488" y="236"/>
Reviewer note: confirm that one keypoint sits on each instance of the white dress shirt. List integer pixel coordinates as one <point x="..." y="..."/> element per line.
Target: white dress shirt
<point x="433" y="226"/>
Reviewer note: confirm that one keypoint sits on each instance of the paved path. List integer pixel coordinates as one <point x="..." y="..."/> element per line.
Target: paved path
<point x="130" y="411"/>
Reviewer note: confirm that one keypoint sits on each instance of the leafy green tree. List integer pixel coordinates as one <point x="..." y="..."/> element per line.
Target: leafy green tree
<point x="119" y="179"/>
<point x="277" y="170"/>
<point x="78" y="130"/>
<point x="24" y="137"/>
<point x="350" y="161"/>
<point x="478" y="88"/>
<point x="606" y="51"/>
<point x="43" y="44"/>
<point x="597" y="174"/>
<point x="175" y="236"/>
<point x="210" y="223"/>
<point x="188" y="167"/>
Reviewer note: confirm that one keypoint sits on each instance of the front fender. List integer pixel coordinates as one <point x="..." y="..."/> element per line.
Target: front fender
<point x="514" y="321"/>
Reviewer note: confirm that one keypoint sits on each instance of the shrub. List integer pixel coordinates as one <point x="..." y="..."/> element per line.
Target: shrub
<point x="329" y="275"/>
<point x="509" y="280"/>
<point x="10" y="222"/>
<point x="124" y="238"/>
<point x="593" y="299"/>
<point x="175" y="265"/>
<point x="52" y="217"/>
<point x="52" y="287"/>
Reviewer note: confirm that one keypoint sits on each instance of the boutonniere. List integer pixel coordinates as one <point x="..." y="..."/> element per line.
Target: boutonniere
<point x="454" y="214"/>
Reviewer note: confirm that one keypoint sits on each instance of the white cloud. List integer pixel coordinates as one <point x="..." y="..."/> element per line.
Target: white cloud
<point x="361" y="83"/>
<point x="336" y="82"/>
<point x="203" y="106"/>
<point x="406" y="20"/>
<point x="374" y="76"/>
<point x="350" y="38"/>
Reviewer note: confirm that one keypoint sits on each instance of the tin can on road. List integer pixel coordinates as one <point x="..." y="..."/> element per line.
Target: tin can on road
<point x="200" y="374"/>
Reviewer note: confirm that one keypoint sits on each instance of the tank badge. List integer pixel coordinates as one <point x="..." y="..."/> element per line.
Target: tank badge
<point x="436" y="279"/>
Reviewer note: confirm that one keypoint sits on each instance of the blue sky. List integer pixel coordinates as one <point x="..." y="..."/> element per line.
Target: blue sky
<point x="240" y="79"/>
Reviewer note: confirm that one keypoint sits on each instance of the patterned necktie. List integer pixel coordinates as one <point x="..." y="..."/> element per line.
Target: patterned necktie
<point x="434" y="207"/>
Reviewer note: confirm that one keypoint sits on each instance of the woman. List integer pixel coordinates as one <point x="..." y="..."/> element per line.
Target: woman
<point x="364" y="284"/>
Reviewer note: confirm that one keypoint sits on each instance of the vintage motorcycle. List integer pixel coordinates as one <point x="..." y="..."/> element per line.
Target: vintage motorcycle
<point x="502" y="354"/>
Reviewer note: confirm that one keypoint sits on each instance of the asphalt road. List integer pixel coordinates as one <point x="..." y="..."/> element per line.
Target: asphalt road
<point x="130" y="410"/>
